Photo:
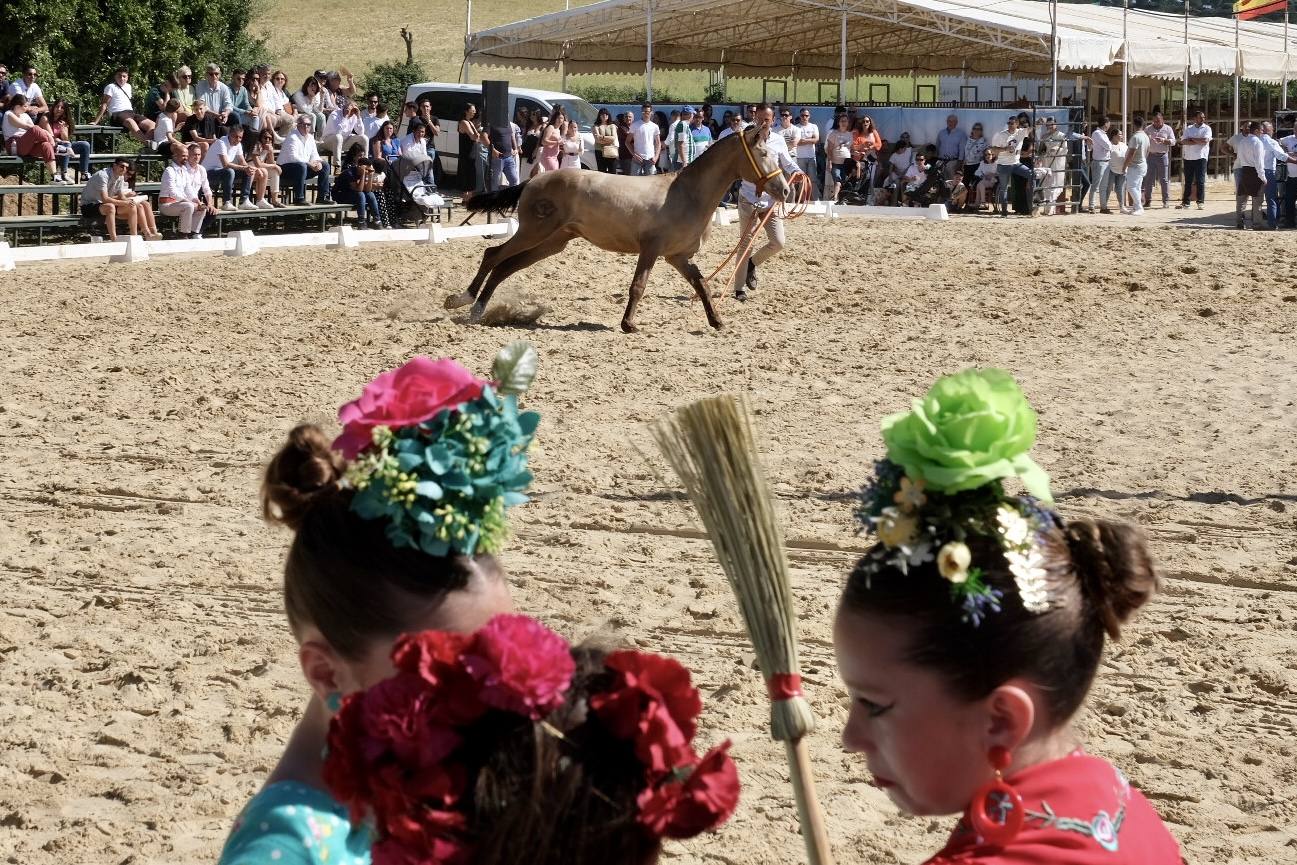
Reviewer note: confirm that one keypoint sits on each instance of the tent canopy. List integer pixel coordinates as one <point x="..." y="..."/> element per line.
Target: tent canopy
<point x="803" y="39"/>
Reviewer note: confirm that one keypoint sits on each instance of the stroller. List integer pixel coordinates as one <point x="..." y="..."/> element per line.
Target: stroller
<point x="412" y="192"/>
<point x="859" y="191"/>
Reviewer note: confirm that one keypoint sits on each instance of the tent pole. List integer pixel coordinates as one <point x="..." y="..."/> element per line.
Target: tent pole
<point x="1283" y="100"/>
<point x="842" y="69"/>
<point x="1236" y="95"/>
<point x="648" y="61"/>
<point x="1125" y="70"/>
<point x="1053" y="51"/>
<point x="468" y="31"/>
<point x="1187" y="62"/>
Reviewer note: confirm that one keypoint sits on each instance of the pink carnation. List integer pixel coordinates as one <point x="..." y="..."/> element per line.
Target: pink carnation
<point x="523" y="666"/>
<point x="407" y="395"/>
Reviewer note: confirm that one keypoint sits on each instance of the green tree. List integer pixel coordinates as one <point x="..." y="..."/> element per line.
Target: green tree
<point x="76" y="44"/>
<point x="391" y="81"/>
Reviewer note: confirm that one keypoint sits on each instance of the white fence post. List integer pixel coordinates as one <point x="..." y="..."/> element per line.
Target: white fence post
<point x="245" y="243"/>
<point x="6" y="257"/>
<point x="136" y="250"/>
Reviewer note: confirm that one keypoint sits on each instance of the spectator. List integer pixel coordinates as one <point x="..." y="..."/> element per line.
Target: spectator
<point x="469" y="135"/>
<point x="181" y="194"/>
<point x="971" y="159"/>
<point x="155" y="101"/>
<point x="59" y="125"/>
<point x="664" y="135"/>
<point x="1251" y="176"/>
<point x="385" y="144"/>
<point x="573" y="146"/>
<point x="116" y="104"/>
<point x="916" y="175"/>
<point x="809" y="136"/>
<point x="431" y="126"/>
<point x="165" y="139"/>
<point x="1116" y="168"/>
<point x="837" y="146"/>
<point x="106" y="195"/>
<point x="505" y="141"/>
<point x="625" y="160"/>
<point x="224" y="162"/>
<point x="1007" y="147"/>
<point x="200" y="127"/>
<point x="356" y="186"/>
<point x="1100" y="166"/>
<point x="22" y="137"/>
<point x="950" y="148"/>
<point x="551" y="143"/>
<point x="1051" y="147"/>
<point x="273" y="103"/>
<point x="4" y="78"/>
<point x="866" y="145"/>
<point x="143" y="210"/>
<point x="898" y="163"/>
<point x="198" y="181"/>
<point x="646" y="143"/>
<point x="374" y="115"/>
<point x="709" y="120"/>
<point x="263" y="157"/>
<point x="1196" y="143"/>
<point x="300" y="159"/>
<point x="987" y="175"/>
<point x="184" y="85"/>
<point x="1161" y="138"/>
<point x="416" y="155"/>
<point x="308" y="102"/>
<point x="606" y="150"/>
<point x="789" y="130"/>
<point x="728" y="125"/>
<point x="215" y="94"/>
<point x="1273" y="155"/>
<point x="681" y="139"/>
<point x="1289" y="215"/>
<point x="242" y="104"/>
<point x="702" y="137"/>
<point x="339" y="93"/>
<point x="28" y="87"/>
<point x="1137" y="167"/>
<point x="343" y="129"/>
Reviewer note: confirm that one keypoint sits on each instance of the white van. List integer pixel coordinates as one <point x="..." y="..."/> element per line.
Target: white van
<point x="448" y="100"/>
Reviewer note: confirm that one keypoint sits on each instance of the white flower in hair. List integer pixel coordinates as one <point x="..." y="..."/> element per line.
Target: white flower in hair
<point x="1014" y="527"/>
<point x="1028" y="569"/>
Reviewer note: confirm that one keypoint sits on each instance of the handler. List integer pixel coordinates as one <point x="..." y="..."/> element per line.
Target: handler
<point x="753" y="206"/>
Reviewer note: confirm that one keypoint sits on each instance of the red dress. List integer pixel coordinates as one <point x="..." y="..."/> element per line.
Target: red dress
<point x="1080" y="811"/>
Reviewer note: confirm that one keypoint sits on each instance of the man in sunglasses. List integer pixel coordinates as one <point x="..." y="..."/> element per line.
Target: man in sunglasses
<point x="373" y="116"/>
<point x="808" y="136"/>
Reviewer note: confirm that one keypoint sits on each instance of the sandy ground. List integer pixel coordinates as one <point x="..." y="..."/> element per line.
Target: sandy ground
<point x="147" y="678"/>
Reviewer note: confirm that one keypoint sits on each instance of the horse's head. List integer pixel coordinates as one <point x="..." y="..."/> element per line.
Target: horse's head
<point x="760" y="166"/>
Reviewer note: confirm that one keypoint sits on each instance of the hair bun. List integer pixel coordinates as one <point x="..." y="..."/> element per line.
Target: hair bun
<point x="305" y="469"/>
<point x="1115" y="569"/>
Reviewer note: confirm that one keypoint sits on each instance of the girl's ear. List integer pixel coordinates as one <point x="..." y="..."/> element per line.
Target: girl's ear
<point x="321" y="666"/>
<point x="1011" y="714"/>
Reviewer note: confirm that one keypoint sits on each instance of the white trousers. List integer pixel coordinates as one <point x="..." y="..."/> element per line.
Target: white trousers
<point x="184" y="210"/>
<point x="774" y="239"/>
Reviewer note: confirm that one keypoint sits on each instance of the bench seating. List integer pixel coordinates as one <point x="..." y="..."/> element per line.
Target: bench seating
<point x="14" y="226"/>
<point x="226" y="221"/>
<point x="58" y="192"/>
<point x="19" y="165"/>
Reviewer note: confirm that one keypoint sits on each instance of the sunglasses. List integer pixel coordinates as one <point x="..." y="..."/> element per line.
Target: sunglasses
<point x="785" y="114"/>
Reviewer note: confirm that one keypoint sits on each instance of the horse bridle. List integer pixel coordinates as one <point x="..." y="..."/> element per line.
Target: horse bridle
<point x="760" y="183"/>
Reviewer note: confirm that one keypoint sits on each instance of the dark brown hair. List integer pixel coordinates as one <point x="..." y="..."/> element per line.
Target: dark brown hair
<point x="342" y="574"/>
<point x="1098" y="573"/>
<point x="560" y="792"/>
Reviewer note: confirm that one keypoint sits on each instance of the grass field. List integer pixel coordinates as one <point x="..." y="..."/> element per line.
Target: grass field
<point x="304" y="36"/>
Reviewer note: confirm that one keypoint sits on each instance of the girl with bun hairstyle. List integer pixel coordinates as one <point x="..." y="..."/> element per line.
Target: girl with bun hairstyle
<point x="970" y="634"/>
<point x="395" y="524"/>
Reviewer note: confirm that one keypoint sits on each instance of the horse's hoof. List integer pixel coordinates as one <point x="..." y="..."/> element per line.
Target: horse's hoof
<point x="716" y="323"/>
<point x="629" y="327"/>
<point x="455" y="301"/>
<point x="475" y="314"/>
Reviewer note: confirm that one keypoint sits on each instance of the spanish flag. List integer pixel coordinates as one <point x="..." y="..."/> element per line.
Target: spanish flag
<point x="1245" y="10"/>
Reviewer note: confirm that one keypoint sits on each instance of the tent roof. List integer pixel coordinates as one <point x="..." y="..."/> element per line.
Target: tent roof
<point x="783" y="38"/>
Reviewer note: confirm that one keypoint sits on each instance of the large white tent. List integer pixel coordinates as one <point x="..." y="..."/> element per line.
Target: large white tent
<point x="822" y="39"/>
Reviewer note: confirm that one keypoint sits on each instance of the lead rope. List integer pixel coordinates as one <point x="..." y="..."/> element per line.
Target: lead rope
<point x="801" y="186"/>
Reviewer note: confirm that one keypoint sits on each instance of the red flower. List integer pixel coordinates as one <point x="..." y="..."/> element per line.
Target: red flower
<point x="655" y="704"/>
<point x="523" y="666"/>
<point x="703" y="801"/>
<point x="403" y="717"/>
<point x="402" y="397"/>
<point x="346" y="771"/>
<point x="443" y="851"/>
<point x="437" y="658"/>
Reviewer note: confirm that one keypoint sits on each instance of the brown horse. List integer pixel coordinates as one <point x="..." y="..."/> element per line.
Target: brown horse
<point x="665" y="216"/>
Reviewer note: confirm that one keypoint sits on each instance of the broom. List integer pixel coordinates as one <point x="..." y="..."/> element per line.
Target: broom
<point x="710" y="445"/>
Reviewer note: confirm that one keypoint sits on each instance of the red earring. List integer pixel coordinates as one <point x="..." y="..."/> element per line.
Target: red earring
<point x="1004" y="801"/>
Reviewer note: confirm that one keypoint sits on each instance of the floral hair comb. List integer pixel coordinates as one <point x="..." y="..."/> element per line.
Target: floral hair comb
<point x="941" y="485"/>
<point x="396" y="755"/>
<point x="439" y="453"/>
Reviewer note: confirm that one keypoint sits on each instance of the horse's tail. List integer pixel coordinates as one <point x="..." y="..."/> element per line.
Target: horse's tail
<point x="502" y="201"/>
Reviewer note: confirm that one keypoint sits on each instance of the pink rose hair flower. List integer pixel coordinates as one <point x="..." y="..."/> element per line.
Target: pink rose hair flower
<point x="523" y="666"/>
<point x="410" y="394"/>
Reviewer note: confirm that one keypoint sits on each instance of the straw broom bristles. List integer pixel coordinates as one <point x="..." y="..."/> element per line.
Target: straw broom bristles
<point x="710" y="445"/>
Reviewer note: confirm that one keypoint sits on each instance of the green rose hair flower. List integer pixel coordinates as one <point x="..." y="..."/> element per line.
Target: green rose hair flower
<point x="971" y="428"/>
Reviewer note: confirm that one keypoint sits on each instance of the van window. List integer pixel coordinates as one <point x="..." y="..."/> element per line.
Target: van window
<point x="448" y="105"/>
<point x="531" y="105"/>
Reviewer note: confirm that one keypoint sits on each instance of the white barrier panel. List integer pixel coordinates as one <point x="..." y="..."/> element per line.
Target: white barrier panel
<point x="6" y="257"/>
<point x="245" y="243"/>
<point x="136" y="250"/>
<point x="186" y="244"/>
<point x="441" y="233"/>
<point x="68" y="253"/>
<point x="318" y="238"/>
<point x="388" y="235"/>
<point x="933" y="211"/>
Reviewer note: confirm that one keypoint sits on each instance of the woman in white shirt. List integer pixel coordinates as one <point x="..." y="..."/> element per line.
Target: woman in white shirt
<point x="572" y="146"/>
<point x="22" y="137"/>
<point x="308" y="101"/>
<point x="838" y="147"/>
<point x="263" y="157"/>
<point x="987" y="176"/>
<point x="165" y="140"/>
<point x="116" y="104"/>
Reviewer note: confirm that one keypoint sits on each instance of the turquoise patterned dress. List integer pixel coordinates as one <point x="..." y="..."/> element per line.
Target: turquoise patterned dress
<point x="288" y="823"/>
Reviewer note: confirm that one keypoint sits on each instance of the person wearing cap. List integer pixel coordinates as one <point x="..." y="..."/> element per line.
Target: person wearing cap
<point x="215" y="94"/>
<point x="683" y="150"/>
<point x="300" y="159"/>
<point x="1006" y="147"/>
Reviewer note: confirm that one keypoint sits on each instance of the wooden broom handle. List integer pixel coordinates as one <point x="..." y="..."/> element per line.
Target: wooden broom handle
<point x="808" y="806"/>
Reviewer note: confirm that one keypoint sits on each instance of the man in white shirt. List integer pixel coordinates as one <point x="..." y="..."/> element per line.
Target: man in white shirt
<point x="116" y="104"/>
<point x="1100" y="161"/>
<point x="1161" y="138"/>
<point x="300" y="160"/>
<point x="223" y="161"/>
<point x="1006" y="147"/>
<point x="1250" y="171"/>
<point x="1289" y="145"/>
<point x="374" y="115"/>
<point x="1051" y="155"/>
<point x="808" y="136"/>
<point x="215" y="94"/>
<point x="791" y="132"/>
<point x="28" y="87"/>
<point x="1136" y="167"/>
<point x="646" y="143"/>
<point x="181" y="193"/>
<point x="342" y="129"/>
<point x="1196" y="143"/>
<point x="1274" y="154"/>
<point x="752" y="206"/>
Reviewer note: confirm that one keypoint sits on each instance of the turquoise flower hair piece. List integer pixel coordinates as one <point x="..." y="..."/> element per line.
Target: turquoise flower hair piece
<point x="443" y="482"/>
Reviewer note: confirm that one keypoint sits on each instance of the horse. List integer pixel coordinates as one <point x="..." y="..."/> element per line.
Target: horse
<point x="663" y="216"/>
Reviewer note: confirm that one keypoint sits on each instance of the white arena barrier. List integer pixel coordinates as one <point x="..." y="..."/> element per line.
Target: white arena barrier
<point x="244" y="243"/>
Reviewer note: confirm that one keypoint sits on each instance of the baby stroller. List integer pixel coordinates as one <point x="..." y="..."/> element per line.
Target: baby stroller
<point x="858" y="191"/>
<point x="412" y="192"/>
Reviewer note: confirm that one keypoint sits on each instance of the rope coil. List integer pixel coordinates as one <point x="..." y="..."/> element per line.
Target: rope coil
<point x="801" y="186"/>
